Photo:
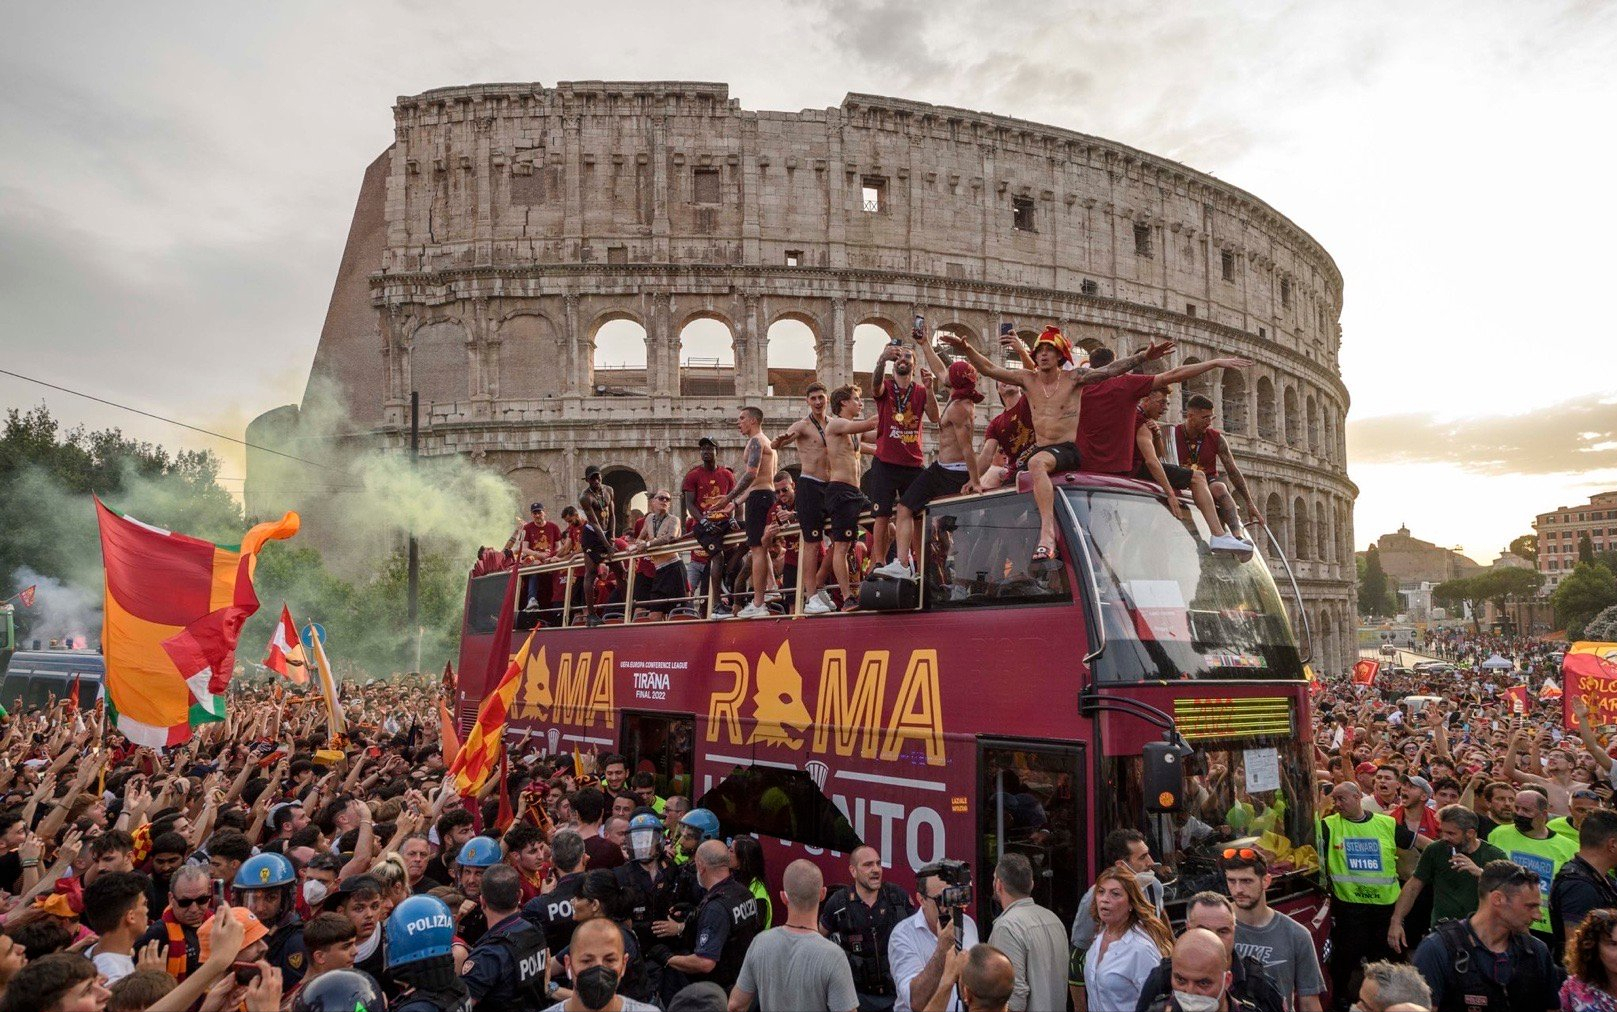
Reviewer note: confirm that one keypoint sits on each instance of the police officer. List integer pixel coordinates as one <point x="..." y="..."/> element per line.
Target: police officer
<point x="552" y="912"/>
<point x="264" y="885"/>
<point x="340" y="991"/>
<point x="696" y="827"/>
<point x="860" y="918"/>
<point x="647" y="879"/>
<point x="1361" y="860"/>
<point x="477" y="855"/>
<point x="420" y="934"/>
<point x="723" y="926"/>
<point x="509" y="968"/>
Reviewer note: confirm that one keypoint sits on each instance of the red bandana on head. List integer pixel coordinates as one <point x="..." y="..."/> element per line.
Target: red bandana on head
<point x="963" y="382"/>
<point x="1057" y="340"/>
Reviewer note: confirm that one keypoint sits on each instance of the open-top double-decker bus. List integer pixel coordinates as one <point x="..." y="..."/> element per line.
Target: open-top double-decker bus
<point x="1004" y="705"/>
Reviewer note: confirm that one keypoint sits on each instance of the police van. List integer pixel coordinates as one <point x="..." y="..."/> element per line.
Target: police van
<point x="33" y="676"/>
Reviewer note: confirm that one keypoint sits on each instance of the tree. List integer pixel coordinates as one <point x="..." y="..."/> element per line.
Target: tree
<point x="1587" y="590"/>
<point x="1375" y="596"/>
<point x="1503" y="585"/>
<point x="47" y="516"/>
<point x="1466" y="592"/>
<point x="1603" y="627"/>
<point x="1525" y="547"/>
<point x="1586" y="549"/>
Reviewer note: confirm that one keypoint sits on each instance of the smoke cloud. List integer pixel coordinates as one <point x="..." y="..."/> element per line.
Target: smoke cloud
<point x="62" y="611"/>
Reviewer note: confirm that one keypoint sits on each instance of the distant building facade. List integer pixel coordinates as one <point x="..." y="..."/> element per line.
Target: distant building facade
<point x="1561" y="531"/>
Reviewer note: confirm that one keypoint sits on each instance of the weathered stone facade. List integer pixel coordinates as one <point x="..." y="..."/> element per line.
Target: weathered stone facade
<point x="509" y="222"/>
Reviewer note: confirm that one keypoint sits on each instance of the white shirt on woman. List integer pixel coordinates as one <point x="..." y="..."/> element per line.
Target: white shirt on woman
<point x="1115" y="981"/>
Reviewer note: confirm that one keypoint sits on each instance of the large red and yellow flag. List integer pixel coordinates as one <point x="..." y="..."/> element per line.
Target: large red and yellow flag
<point x="174" y="609"/>
<point x="481" y="751"/>
<point x="1589" y="671"/>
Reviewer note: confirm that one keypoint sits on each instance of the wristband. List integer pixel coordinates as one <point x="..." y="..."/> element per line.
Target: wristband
<point x="31" y="864"/>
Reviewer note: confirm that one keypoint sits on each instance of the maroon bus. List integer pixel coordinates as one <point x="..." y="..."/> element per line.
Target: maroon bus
<point x="1140" y="680"/>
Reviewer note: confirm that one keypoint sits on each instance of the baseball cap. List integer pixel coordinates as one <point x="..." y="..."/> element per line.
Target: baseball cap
<point x="253" y="930"/>
<point x="535" y="507"/>
<point x="1365" y="768"/>
<point x="591" y="471"/>
<point x="1422" y="784"/>
<point x="706" y="441"/>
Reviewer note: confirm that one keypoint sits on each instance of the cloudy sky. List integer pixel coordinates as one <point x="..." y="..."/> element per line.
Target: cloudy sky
<point x="176" y="182"/>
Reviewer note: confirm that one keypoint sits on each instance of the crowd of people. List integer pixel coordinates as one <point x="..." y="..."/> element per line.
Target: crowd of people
<point x="1061" y="411"/>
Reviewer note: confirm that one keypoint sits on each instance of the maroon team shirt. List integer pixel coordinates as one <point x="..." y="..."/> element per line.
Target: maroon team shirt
<point x="1106" y="424"/>
<point x="898" y="423"/>
<point x="1012" y="430"/>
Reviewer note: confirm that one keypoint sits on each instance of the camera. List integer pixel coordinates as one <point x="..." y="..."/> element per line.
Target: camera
<point x="956" y="877"/>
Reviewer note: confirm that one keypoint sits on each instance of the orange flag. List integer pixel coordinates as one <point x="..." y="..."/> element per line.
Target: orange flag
<point x="475" y="764"/>
<point x="451" y="741"/>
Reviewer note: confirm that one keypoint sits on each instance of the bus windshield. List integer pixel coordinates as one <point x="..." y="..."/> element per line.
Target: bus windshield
<point x="1254" y="793"/>
<point x="1173" y="609"/>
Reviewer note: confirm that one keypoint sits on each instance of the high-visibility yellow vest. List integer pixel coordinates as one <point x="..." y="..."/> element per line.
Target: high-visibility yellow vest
<point x="1363" y="859"/>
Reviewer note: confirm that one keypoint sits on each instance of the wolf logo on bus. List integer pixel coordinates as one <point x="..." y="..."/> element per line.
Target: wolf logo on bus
<point x="844" y="720"/>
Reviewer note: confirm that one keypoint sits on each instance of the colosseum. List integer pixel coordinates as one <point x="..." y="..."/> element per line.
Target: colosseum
<point x="602" y="272"/>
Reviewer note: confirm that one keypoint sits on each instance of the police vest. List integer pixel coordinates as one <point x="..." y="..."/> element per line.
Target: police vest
<point x="1466" y="988"/>
<point x="746" y="921"/>
<point x="553" y="911"/>
<point x="531" y="956"/>
<point x="1363" y="859"/>
<point x="425" y="1001"/>
<point x="862" y="933"/>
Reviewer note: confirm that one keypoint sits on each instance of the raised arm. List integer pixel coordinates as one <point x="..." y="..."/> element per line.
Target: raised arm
<point x="1119" y="366"/>
<point x="1586" y="734"/>
<point x="878" y="375"/>
<point x="984" y="365"/>
<point x="844" y="426"/>
<point x="1013" y="343"/>
<point x="1180" y="374"/>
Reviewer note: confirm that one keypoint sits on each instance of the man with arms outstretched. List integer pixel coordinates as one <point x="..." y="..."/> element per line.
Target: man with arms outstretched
<point x="756" y="486"/>
<point x="1054" y="397"/>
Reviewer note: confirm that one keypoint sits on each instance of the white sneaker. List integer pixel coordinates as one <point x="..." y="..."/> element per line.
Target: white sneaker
<point x="1228" y="543"/>
<point x="533" y="604"/>
<point x="895" y="570"/>
<point x="753" y="611"/>
<point x="824" y="597"/>
<point x="818" y="605"/>
<point x="771" y="595"/>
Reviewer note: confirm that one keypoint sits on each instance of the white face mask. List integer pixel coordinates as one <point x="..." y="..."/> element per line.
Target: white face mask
<point x="314" y="891"/>
<point x="1197" y="1002"/>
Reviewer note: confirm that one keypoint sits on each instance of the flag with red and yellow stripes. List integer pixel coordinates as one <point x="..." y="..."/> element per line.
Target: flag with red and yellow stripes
<point x="174" y="609"/>
<point x="480" y="754"/>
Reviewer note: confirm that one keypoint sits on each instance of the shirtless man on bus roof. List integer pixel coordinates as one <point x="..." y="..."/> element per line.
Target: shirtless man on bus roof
<point x="843" y="500"/>
<point x="1054" y="398"/>
<point x="807" y="436"/>
<point x="756" y="484"/>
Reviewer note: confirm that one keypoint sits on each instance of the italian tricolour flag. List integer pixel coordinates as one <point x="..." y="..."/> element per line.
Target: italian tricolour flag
<point x="174" y="609"/>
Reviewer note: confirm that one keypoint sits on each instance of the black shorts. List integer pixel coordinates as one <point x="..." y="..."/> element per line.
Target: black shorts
<point x="1065" y="454"/>
<point x="843" y="505"/>
<point x="810" y="507"/>
<point x="887" y="483"/>
<point x="935" y="482"/>
<point x="667" y="586"/>
<point x="758" y="504"/>
<point x="1179" y="478"/>
<point x="594" y="544"/>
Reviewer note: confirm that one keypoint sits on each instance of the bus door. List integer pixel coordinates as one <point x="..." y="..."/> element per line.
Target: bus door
<point x="1032" y="799"/>
<point x="663" y="744"/>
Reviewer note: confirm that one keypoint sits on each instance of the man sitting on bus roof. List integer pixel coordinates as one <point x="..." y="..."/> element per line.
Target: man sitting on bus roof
<point x="1203" y="448"/>
<point x="1173" y="479"/>
<point x="1055" y="396"/>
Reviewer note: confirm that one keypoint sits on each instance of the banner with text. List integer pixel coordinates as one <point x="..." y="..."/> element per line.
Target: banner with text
<point x="1589" y="671"/>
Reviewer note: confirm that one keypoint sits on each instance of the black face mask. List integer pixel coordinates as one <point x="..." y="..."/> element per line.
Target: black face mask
<point x="596" y="986"/>
<point x="1524" y="824"/>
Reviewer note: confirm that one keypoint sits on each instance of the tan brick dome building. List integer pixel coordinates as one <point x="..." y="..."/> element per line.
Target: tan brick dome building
<point x="602" y="272"/>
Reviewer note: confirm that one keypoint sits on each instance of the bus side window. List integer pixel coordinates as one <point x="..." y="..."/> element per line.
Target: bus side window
<point x="979" y="552"/>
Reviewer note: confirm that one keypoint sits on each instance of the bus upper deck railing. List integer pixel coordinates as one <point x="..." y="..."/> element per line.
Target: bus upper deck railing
<point x="692" y="606"/>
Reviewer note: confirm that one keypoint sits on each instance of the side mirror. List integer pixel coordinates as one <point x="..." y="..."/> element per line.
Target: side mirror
<point x="1163" y="776"/>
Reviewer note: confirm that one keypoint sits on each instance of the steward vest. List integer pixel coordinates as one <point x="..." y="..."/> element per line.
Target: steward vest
<point x="1544" y="856"/>
<point x="1466" y="988"/>
<point x="1363" y="859"/>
